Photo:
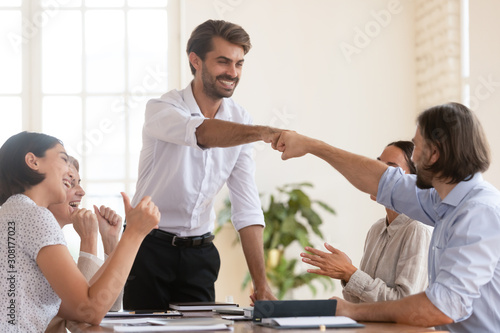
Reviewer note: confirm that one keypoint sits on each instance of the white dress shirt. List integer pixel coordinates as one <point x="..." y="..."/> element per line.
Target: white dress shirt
<point x="182" y="178"/>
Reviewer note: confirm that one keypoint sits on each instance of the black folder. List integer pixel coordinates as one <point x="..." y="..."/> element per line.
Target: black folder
<point x="293" y="308"/>
<point x="268" y="313"/>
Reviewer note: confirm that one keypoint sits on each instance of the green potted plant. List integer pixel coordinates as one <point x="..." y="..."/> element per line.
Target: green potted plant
<point x="290" y="217"/>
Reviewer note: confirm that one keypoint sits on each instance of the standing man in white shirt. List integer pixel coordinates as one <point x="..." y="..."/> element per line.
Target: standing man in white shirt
<point x="194" y="141"/>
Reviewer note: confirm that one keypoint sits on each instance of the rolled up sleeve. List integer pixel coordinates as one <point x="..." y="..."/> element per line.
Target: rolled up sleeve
<point x="171" y="121"/>
<point x="398" y="191"/>
<point x="465" y="261"/>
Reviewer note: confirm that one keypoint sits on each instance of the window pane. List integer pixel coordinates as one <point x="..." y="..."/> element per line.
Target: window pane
<point x="62" y="53"/>
<point x="11" y="52"/>
<point x="104" y="41"/>
<point x="131" y="189"/>
<point x="104" y="3"/>
<point x="105" y="128"/>
<point x="147" y="30"/>
<point x="147" y="3"/>
<point x="10" y="3"/>
<point x="11" y="117"/>
<point x="55" y="4"/>
<point x="107" y="194"/>
<point x="62" y="118"/>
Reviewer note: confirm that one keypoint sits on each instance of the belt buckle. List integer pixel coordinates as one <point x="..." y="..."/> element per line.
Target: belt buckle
<point x="173" y="240"/>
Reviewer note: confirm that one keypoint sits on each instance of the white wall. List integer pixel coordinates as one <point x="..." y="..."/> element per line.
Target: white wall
<point x="297" y="77"/>
<point x="485" y="75"/>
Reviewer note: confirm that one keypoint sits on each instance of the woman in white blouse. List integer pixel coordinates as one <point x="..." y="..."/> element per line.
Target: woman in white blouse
<point x="39" y="277"/>
<point x="394" y="262"/>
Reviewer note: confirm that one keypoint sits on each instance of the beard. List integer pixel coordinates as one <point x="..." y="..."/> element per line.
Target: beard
<point x="424" y="179"/>
<point x="210" y="87"/>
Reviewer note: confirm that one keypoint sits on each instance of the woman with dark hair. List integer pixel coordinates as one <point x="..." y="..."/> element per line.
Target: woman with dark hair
<point x="39" y="277"/>
<point x="394" y="262"/>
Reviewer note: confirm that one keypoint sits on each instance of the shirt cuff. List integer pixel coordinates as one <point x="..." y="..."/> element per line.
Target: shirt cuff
<point x="357" y="283"/>
<point x="386" y="184"/>
<point x="91" y="257"/>
<point x="192" y="125"/>
<point x="447" y="302"/>
<point x="248" y="220"/>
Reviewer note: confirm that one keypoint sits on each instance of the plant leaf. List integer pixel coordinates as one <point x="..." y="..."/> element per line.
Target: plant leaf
<point x="313" y="219"/>
<point x="283" y="227"/>
<point x="325" y="206"/>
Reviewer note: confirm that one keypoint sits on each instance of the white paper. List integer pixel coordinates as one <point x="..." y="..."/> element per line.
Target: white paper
<point x="129" y="321"/>
<point x="312" y="321"/>
<point x="230" y="317"/>
<point x="162" y="328"/>
<point x="169" y="313"/>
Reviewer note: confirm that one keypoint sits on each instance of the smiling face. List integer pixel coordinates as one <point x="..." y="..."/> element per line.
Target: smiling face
<point x="74" y="195"/>
<point x="54" y="165"/>
<point x="221" y="70"/>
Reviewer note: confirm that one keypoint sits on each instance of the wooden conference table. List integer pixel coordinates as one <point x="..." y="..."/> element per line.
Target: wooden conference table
<point x="248" y="327"/>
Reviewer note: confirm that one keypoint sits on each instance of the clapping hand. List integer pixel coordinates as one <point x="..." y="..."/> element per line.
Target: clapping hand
<point x="335" y="263"/>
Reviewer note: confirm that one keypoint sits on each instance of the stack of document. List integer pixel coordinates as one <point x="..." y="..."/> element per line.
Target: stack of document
<point x="165" y="325"/>
<point x="137" y="314"/>
<point x="235" y="313"/>
<point x="200" y="306"/>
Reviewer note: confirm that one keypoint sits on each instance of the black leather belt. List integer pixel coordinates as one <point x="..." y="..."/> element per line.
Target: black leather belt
<point x="183" y="241"/>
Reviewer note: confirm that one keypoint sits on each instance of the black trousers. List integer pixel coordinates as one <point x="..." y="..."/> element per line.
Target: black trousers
<point x="163" y="273"/>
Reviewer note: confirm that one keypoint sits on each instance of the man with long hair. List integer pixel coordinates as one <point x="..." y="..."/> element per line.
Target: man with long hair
<point x="449" y="193"/>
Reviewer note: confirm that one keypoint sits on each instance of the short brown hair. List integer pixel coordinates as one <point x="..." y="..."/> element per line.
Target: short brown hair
<point x="200" y="41"/>
<point x="459" y="138"/>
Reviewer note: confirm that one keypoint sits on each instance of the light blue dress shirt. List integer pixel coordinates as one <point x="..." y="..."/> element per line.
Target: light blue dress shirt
<point x="464" y="254"/>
